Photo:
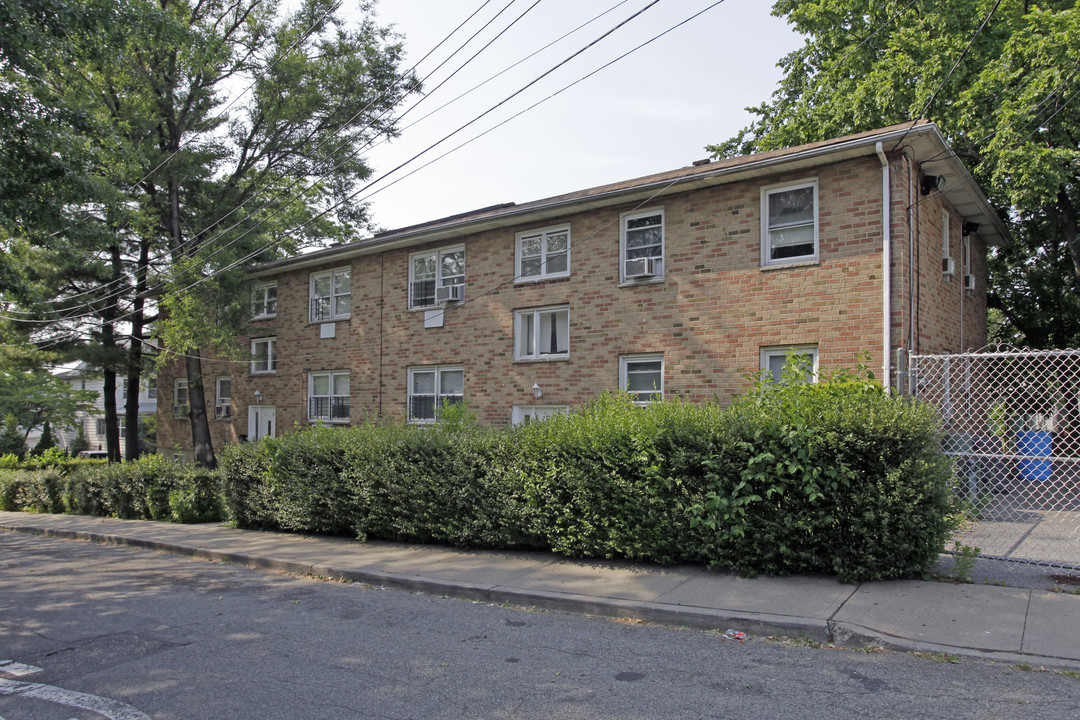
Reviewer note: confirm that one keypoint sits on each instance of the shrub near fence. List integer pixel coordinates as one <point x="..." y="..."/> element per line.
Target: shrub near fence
<point x="835" y="477"/>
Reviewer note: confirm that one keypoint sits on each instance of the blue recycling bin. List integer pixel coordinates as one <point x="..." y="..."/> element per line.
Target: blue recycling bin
<point x="1037" y="443"/>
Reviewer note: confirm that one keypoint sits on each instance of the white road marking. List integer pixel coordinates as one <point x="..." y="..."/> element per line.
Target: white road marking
<point x="112" y="709"/>
<point x="10" y="667"/>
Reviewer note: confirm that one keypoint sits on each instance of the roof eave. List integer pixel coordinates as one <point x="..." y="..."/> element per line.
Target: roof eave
<point x="965" y="195"/>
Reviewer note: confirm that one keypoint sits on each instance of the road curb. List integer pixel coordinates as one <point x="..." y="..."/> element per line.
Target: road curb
<point x="837" y="633"/>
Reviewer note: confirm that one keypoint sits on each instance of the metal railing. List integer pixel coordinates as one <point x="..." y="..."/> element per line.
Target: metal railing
<point x="328" y="408"/>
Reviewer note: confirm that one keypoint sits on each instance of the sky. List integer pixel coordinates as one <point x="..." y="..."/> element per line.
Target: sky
<point x="653" y="110"/>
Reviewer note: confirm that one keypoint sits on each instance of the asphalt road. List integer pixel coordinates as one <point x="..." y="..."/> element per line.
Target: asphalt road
<point x="90" y="632"/>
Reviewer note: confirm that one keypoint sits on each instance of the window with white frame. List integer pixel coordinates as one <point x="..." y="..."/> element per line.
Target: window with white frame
<point x="263" y="355"/>
<point x="223" y="397"/>
<point x="180" y="397"/>
<point x="789" y="223"/>
<point x="967" y="256"/>
<point x="642" y="376"/>
<point x="331" y="295"/>
<point x="101" y="427"/>
<point x="641" y="238"/>
<point x="543" y="254"/>
<point x="804" y="359"/>
<point x="328" y="396"/>
<point x="542" y="333"/>
<point x="433" y="388"/>
<point x="264" y="300"/>
<point x="430" y="272"/>
<point x="151" y="387"/>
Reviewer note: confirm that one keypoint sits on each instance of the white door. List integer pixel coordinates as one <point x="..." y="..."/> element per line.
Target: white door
<point x="262" y="422"/>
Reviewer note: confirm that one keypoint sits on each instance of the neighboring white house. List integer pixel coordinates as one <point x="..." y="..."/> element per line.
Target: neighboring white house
<point x="80" y="376"/>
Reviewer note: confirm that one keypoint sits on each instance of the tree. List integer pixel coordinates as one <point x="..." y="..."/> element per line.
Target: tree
<point x="46" y="441"/>
<point x="1000" y="78"/>
<point x="12" y="442"/>
<point x="79" y="442"/>
<point x="61" y="215"/>
<point x="34" y="397"/>
<point x="226" y="180"/>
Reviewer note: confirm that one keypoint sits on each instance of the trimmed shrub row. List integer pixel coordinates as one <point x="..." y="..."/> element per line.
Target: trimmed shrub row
<point x="836" y="477"/>
<point x="151" y="488"/>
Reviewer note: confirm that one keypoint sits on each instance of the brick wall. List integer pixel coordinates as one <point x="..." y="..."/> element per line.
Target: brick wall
<point x="710" y="317"/>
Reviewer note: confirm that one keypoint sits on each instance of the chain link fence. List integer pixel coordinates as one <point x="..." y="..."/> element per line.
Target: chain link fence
<point x="1012" y="422"/>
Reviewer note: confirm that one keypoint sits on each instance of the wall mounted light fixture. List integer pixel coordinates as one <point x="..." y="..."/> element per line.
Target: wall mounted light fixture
<point x="258" y="398"/>
<point x="537" y="392"/>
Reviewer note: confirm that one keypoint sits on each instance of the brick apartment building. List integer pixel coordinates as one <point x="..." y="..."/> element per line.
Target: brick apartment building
<point x="676" y="284"/>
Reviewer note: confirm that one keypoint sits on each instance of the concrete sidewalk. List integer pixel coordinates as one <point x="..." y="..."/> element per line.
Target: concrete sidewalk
<point x="1006" y="624"/>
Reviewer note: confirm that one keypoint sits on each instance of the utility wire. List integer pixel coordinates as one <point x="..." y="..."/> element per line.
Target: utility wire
<point x="933" y="96"/>
<point x="352" y="196"/>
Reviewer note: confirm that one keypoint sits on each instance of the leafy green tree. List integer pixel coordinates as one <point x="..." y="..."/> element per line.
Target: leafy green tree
<point x="225" y="178"/>
<point x="34" y="397"/>
<point x="12" y="441"/>
<point x="79" y="442"/>
<point x="46" y="441"/>
<point x="1000" y="78"/>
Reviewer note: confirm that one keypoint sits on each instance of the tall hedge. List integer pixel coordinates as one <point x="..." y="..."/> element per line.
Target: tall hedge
<point x="151" y="488"/>
<point x="836" y="477"/>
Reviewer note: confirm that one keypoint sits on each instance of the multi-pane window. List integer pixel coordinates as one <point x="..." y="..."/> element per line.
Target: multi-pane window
<point x="542" y="333"/>
<point x="543" y="254"/>
<point x="264" y="300"/>
<point x="101" y="427"/>
<point x="263" y="355"/>
<point x="433" y="388"/>
<point x="433" y="275"/>
<point x="151" y="388"/>
<point x="802" y="359"/>
<point x="642" y="377"/>
<point x="180" y="397"/>
<point x="642" y="236"/>
<point x="331" y="295"/>
<point x="223" y="397"/>
<point x="789" y="221"/>
<point x="328" y="396"/>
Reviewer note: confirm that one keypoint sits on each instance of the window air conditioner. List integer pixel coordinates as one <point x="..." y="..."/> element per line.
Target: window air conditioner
<point x="449" y="293"/>
<point x="969" y="282"/>
<point x="948" y="266"/>
<point x="640" y="268"/>
<point x="222" y="411"/>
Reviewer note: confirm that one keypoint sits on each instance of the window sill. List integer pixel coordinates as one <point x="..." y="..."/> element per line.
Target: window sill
<point x="638" y="283"/>
<point x="339" y="318"/>
<point x="545" y="278"/>
<point x="328" y="421"/>
<point x="263" y="317"/>
<point x="543" y="359"/>
<point x="257" y="373"/>
<point x="437" y="306"/>
<point x="791" y="265"/>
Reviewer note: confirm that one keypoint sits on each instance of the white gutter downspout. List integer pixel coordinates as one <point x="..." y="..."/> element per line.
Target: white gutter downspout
<point x="886" y="263"/>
